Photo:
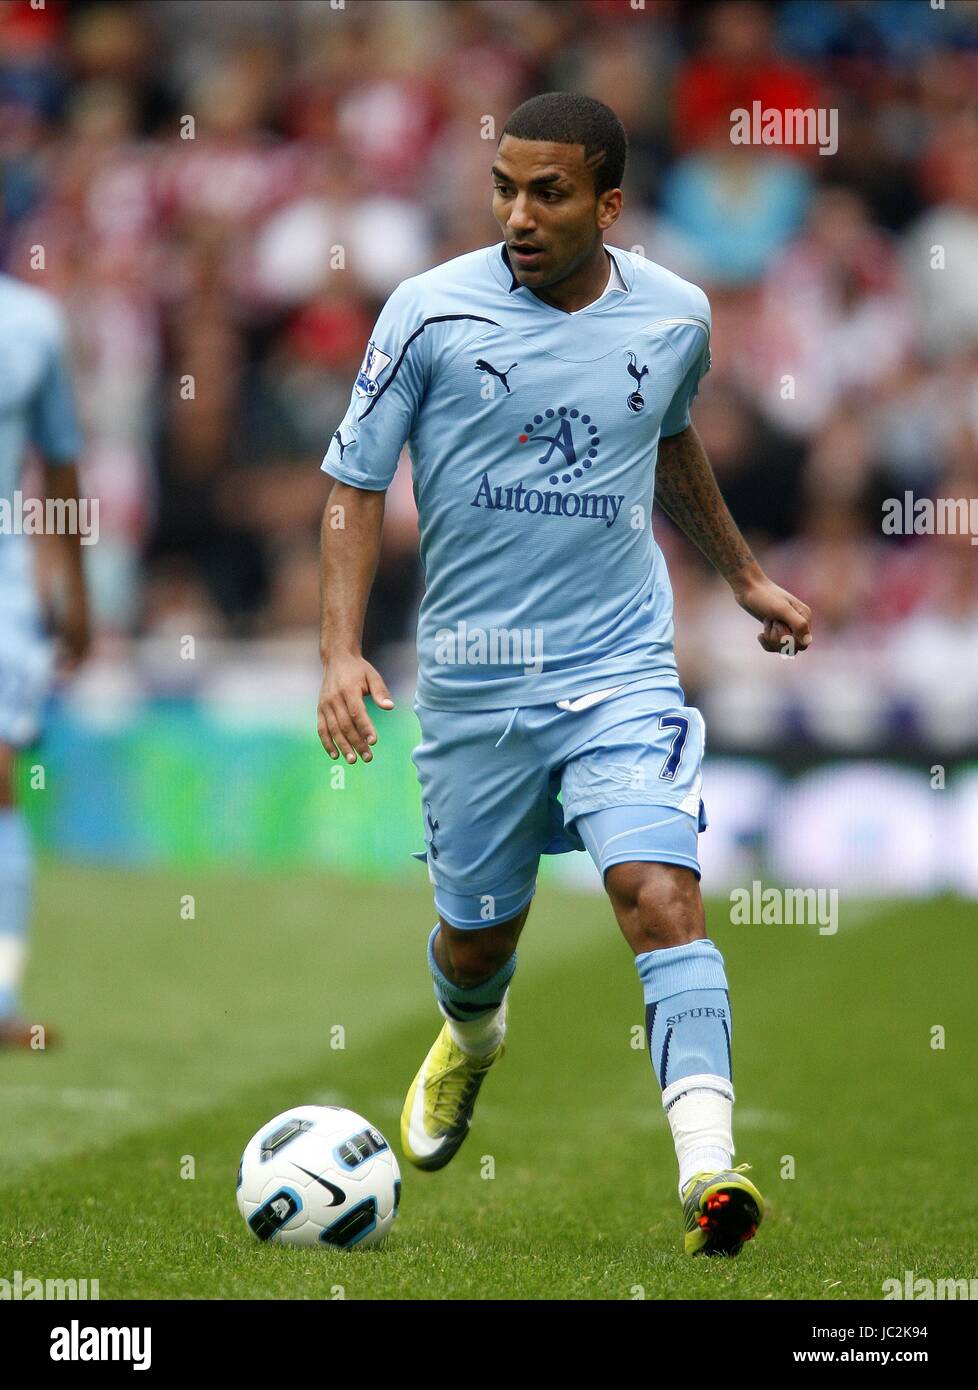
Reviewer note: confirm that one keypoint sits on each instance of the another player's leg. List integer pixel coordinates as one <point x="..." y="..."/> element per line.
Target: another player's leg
<point x="471" y="969"/>
<point x="16" y="877"/>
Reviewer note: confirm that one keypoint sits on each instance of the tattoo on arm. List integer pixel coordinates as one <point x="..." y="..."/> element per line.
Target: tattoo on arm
<point x="687" y="491"/>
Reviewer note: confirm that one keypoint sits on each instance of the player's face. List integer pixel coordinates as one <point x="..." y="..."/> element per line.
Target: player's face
<point x="545" y="204"/>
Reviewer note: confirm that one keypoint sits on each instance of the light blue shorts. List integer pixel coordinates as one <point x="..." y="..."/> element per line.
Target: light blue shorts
<point x="26" y="671"/>
<point x="620" y="778"/>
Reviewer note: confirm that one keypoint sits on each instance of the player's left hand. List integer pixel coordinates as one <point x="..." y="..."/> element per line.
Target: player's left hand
<point x="787" y="621"/>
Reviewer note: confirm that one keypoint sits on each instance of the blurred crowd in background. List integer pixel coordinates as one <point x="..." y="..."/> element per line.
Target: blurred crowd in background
<point x="220" y="290"/>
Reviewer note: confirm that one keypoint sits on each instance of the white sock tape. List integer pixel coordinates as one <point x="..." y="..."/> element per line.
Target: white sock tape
<point x="704" y="1082"/>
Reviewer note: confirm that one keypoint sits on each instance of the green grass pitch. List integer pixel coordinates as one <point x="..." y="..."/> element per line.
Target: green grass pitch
<point x="181" y="1037"/>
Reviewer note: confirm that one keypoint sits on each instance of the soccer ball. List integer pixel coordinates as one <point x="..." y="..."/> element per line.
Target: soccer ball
<point x="319" y="1175"/>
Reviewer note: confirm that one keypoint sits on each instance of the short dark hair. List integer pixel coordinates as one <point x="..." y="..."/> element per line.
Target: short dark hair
<point x="567" y="118"/>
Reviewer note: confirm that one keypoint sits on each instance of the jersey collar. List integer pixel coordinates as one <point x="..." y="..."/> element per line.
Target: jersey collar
<point x="499" y="263"/>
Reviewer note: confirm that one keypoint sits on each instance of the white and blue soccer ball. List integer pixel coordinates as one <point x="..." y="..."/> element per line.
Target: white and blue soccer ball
<point x="319" y="1175"/>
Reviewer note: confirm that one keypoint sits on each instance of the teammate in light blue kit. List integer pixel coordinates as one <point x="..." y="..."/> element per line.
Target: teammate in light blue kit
<point x="36" y="410"/>
<point x="543" y="386"/>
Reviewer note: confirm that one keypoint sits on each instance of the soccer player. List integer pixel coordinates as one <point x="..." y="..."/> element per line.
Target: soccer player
<point x="544" y="385"/>
<point x="36" y="408"/>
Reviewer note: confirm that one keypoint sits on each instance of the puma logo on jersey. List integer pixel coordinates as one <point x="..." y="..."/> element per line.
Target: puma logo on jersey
<point x="481" y="365"/>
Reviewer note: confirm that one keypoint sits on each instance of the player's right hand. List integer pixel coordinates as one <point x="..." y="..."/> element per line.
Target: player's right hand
<point x="344" y="725"/>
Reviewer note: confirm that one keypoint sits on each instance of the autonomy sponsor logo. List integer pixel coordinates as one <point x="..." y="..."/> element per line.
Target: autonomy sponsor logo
<point x="572" y="441"/>
<point x="591" y="506"/>
<point x="574" y="438"/>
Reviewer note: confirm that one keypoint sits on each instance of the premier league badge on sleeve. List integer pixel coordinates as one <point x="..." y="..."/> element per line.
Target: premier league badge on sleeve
<point x="374" y="362"/>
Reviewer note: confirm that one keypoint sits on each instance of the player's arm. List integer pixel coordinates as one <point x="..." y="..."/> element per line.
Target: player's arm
<point x="687" y="490"/>
<point x="61" y="482"/>
<point x="362" y="458"/>
<point x="349" y="549"/>
<point x="56" y="435"/>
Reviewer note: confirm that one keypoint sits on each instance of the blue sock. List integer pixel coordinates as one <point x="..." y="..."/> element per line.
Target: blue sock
<point x="462" y="1004"/>
<point x="687" y="1012"/>
<point x="16" y="874"/>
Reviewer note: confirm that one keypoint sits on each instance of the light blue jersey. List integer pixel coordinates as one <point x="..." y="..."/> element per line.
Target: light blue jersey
<point x="36" y="409"/>
<point x="533" y="436"/>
